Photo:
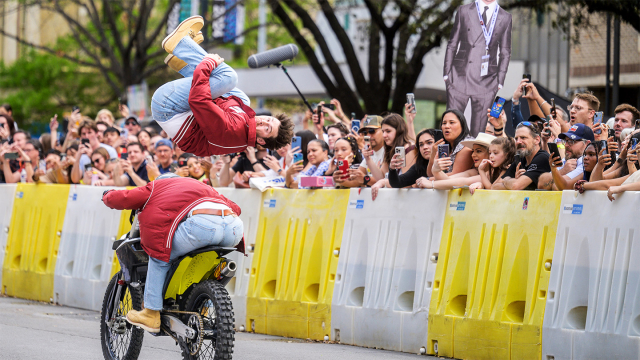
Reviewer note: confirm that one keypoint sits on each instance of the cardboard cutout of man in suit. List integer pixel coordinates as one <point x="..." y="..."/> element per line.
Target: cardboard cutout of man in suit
<point x="473" y="70"/>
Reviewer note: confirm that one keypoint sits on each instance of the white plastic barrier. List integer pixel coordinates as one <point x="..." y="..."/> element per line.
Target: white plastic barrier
<point x="386" y="268"/>
<point x="593" y="303"/>
<point x="250" y="201"/>
<point x="85" y="256"/>
<point x="7" y="194"/>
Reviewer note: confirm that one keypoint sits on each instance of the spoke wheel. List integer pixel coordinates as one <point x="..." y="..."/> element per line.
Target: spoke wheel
<point x="120" y="340"/>
<point x="211" y="300"/>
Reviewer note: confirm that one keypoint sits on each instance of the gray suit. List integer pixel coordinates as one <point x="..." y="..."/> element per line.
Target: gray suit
<point x="463" y="59"/>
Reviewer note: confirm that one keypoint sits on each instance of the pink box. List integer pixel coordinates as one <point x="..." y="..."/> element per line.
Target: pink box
<point x="317" y="181"/>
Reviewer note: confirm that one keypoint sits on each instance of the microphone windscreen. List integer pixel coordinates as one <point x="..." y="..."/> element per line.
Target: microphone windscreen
<point x="273" y="56"/>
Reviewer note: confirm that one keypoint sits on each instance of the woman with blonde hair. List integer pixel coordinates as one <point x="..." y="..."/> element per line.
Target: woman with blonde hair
<point x="106" y="116"/>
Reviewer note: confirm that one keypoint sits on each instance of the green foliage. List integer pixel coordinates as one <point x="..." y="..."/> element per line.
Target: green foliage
<point x="39" y="85"/>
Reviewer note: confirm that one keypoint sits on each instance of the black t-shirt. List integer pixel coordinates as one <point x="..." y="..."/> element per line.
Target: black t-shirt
<point x="243" y="164"/>
<point x="141" y="172"/>
<point x="539" y="165"/>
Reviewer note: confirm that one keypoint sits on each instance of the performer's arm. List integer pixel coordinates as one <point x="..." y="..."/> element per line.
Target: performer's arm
<point x="505" y="53"/>
<point x="128" y="199"/>
<point x="200" y="100"/>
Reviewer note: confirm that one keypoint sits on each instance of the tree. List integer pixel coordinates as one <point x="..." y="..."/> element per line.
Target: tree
<point x="575" y="13"/>
<point x="396" y="47"/>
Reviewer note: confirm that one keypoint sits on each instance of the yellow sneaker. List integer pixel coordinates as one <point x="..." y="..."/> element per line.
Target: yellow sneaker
<point x="174" y="63"/>
<point x="189" y="27"/>
<point x="147" y="319"/>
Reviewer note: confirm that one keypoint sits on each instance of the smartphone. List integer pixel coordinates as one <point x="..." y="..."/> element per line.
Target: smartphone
<point x="634" y="143"/>
<point x="85" y="142"/>
<point x="329" y="106"/>
<point x="604" y="146"/>
<point x="42" y="165"/>
<point x="182" y="162"/>
<point x="215" y="158"/>
<point x="524" y="88"/>
<point x="367" y="142"/>
<point x="355" y="125"/>
<point x="597" y="119"/>
<point x="496" y="108"/>
<point x="76" y="108"/>
<point x="297" y="157"/>
<point x="296" y="142"/>
<point x="149" y="159"/>
<point x="87" y="167"/>
<point x="411" y="100"/>
<point x="611" y="133"/>
<point x="438" y="135"/>
<point x="553" y="150"/>
<point x="353" y="116"/>
<point x="343" y="165"/>
<point x="11" y="156"/>
<point x="124" y="156"/>
<point x="443" y="151"/>
<point x="400" y="151"/>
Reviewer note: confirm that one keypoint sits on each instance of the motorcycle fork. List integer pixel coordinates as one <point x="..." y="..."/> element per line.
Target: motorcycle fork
<point x="115" y="300"/>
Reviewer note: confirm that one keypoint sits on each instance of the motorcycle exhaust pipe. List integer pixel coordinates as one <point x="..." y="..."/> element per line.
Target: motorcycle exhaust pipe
<point x="229" y="271"/>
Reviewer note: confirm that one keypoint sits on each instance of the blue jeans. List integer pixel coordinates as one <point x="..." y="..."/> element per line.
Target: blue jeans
<point x="195" y="232"/>
<point x="172" y="98"/>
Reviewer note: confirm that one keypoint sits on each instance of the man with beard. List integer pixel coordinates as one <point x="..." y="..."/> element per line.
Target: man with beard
<point x="530" y="163"/>
<point x="575" y="141"/>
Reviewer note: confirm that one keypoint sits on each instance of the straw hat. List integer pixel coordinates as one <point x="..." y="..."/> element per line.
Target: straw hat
<point x="482" y="139"/>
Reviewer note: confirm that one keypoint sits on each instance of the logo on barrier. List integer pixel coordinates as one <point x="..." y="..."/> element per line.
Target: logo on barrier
<point x="573" y="209"/>
<point x="270" y="203"/>
<point x="458" y="206"/>
<point x="74" y="197"/>
<point x="19" y="194"/>
<point x="358" y="204"/>
<point x="525" y="204"/>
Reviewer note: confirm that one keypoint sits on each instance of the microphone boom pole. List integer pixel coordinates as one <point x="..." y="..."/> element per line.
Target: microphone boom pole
<point x="294" y="85"/>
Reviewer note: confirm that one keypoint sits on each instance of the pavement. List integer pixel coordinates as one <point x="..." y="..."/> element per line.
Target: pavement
<point x="35" y="330"/>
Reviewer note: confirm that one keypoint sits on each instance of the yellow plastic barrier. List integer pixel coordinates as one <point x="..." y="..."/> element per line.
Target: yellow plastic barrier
<point x="32" y="246"/>
<point x="295" y="261"/>
<point x="125" y="227"/>
<point x="491" y="280"/>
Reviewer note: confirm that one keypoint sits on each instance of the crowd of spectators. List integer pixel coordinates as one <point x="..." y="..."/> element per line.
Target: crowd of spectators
<point x="384" y="152"/>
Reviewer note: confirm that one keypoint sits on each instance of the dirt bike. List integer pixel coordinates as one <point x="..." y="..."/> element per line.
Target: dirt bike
<point x="197" y="311"/>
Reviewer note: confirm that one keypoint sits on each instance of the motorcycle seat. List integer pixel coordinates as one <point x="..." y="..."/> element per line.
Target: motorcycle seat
<point x="221" y="251"/>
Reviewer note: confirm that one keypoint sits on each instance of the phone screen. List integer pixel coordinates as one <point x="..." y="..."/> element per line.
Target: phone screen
<point x="124" y="156"/>
<point x="634" y="143"/>
<point x="443" y="150"/>
<point x="496" y="109"/>
<point x="603" y="146"/>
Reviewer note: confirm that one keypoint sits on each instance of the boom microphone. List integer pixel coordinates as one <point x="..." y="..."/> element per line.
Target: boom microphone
<point x="273" y="56"/>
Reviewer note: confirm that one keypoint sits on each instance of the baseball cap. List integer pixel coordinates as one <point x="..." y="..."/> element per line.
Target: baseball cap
<point x="578" y="132"/>
<point x="134" y="118"/>
<point x="371" y="122"/>
<point x="164" y="142"/>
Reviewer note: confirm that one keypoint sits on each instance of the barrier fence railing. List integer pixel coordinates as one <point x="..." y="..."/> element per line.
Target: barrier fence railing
<point x="527" y="275"/>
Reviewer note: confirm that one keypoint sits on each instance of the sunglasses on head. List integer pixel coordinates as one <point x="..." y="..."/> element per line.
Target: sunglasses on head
<point x="367" y="131"/>
<point x="528" y="124"/>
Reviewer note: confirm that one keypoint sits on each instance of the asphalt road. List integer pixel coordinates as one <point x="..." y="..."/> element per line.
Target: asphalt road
<point x="33" y="330"/>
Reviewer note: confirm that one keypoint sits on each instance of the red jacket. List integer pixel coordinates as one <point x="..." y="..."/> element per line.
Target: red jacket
<point x="218" y="126"/>
<point x="164" y="204"/>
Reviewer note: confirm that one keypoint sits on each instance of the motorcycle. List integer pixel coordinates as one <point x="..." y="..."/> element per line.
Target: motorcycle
<point x="197" y="310"/>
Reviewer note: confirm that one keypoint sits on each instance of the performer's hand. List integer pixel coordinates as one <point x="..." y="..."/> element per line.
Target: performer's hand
<point x="215" y="58"/>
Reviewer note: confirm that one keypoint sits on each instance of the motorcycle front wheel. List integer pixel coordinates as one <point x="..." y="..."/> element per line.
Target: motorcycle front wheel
<point x="120" y="340"/>
<point x="211" y="300"/>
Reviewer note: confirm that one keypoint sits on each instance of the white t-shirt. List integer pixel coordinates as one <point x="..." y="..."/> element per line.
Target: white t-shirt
<point x="377" y="157"/>
<point x="578" y="171"/>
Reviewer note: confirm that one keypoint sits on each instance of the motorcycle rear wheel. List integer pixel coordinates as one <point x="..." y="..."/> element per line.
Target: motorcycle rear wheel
<point x="121" y="340"/>
<point x="211" y="300"/>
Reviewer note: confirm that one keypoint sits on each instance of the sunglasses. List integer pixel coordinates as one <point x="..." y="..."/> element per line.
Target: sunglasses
<point x="367" y="131"/>
<point x="130" y="123"/>
<point x="528" y="124"/>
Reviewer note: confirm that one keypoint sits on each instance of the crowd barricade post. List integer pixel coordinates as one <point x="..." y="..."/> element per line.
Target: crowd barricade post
<point x="491" y="281"/>
<point x="250" y="202"/>
<point x="386" y="268"/>
<point x="85" y="255"/>
<point x="296" y="256"/>
<point x="34" y="236"/>
<point x="593" y="303"/>
<point x="7" y="194"/>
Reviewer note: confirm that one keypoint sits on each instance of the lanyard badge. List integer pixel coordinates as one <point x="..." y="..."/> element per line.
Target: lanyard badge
<point x="484" y="66"/>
